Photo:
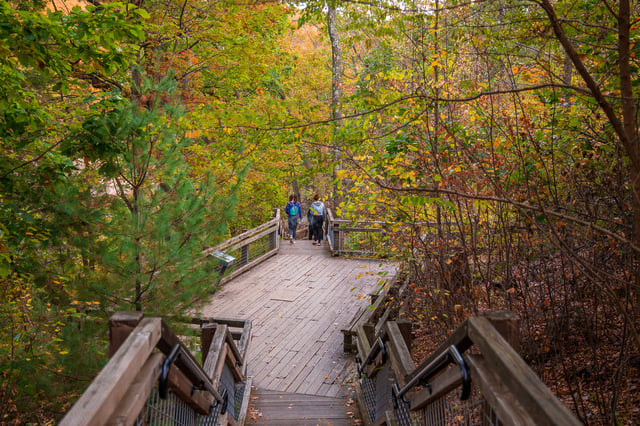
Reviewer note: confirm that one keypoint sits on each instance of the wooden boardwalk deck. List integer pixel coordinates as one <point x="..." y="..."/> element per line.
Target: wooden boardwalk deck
<point x="299" y="300"/>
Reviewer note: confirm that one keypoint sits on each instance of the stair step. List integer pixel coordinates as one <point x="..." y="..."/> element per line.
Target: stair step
<point x="282" y="408"/>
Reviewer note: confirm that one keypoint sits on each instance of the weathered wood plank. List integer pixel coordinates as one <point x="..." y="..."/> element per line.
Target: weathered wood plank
<point x="210" y="366"/>
<point x="99" y="401"/>
<point x="206" y="336"/>
<point x="281" y="408"/>
<point x="404" y="364"/>
<point x="439" y="387"/>
<point x="459" y="339"/>
<point x="248" y="266"/>
<point x="535" y="397"/>
<point x="185" y="362"/>
<point x="135" y="399"/>
<point x="244" y="404"/>
<point x="121" y="324"/>
<point x="498" y="396"/>
<point x="238" y="238"/>
<point x="294" y="328"/>
<point x="182" y="387"/>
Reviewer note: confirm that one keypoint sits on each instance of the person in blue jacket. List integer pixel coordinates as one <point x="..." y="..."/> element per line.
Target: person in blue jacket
<point x="293" y="210"/>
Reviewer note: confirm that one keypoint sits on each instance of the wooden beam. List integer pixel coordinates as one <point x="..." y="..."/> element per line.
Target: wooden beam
<point x="499" y="398"/>
<point x="233" y="364"/>
<point x="439" y="387"/>
<point x="121" y="324"/>
<point x="183" y="388"/>
<point x="248" y="266"/>
<point x="244" y="404"/>
<point x="230" y="322"/>
<point x="405" y="327"/>
<point x="206" y="336"/>
<point x="186" y="362"/>
<point x="221" y="361"/>
<point x="403" y="364"/>
<point x="103" y="395"/>
<point x="136" y="397"/>
<point x="535" y="397"/>
<point x="459" y="338"/>
<point x="243" y="344"/>
<point x="214" y="352"/>
<point x="507" y="324"/>
<point x="238" y="238"/>
<point x="362" y="342"/>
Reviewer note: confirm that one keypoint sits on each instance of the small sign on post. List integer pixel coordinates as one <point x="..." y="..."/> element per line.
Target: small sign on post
<point x="225" y="261"/>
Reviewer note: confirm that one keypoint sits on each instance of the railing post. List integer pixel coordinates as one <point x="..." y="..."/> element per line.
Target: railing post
<point x="121" y="324"/>
<point x="507" y="324"/>
<point x="206" y="337"/>
<point x="244" y="253"/>
<point x="273" y="236"/>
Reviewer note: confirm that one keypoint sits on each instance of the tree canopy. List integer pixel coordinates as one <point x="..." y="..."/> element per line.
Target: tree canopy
<point x="498" y="138"/>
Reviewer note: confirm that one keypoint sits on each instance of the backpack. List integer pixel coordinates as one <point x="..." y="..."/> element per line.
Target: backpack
<point x="292" y="209"/>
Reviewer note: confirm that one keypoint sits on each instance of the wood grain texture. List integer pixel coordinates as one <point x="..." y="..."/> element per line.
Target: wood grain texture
<point x="296" y="345"/>
<point x="280" y="408"/>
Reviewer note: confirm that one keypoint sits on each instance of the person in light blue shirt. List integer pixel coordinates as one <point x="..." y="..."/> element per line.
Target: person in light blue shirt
<point x="293" y="209"/>
<point x="316" y="211"/>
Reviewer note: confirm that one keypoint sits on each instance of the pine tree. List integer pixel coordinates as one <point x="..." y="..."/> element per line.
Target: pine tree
<point x="148" y="249"/>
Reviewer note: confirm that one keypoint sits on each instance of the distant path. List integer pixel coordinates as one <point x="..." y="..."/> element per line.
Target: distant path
<point x="299" y="300"/>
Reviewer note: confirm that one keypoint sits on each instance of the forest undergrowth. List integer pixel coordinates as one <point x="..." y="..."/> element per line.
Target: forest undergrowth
<point x="574" y="329"/>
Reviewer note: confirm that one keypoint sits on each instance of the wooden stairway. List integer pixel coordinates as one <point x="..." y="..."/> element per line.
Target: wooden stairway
<point x="282" y="409"/>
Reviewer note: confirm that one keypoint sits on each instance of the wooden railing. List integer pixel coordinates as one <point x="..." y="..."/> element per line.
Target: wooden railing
<point x="495" y="386"/>
<point x="363" y="238"/>
<point x="251" y="247"/>
<point x="370" y="238"/>
<point x="152" y="377"/>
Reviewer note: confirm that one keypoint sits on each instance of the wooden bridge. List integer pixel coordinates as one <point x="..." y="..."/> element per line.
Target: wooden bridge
<point x="274" y="343"/>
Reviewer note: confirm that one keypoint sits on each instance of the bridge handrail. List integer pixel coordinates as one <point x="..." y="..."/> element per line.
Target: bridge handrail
<point x="509" y="388"/>
<point x="245" y="248"/>
<point x="123" y="388"/>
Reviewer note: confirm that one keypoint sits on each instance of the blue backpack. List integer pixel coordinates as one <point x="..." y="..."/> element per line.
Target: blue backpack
<point x="292" y="210"/>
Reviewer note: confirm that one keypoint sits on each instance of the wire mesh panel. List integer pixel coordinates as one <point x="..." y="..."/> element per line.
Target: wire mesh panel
<point x="446" y="411"/>
<point x="175" y="412"/>
<point x="169" y="411"/>
<point x="368" y="387"/>
<point x="449" y="410"/>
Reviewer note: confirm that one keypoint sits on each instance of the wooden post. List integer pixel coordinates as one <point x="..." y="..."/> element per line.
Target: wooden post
<point x="121" y="324"/>
<point x="273" y="236"/>
<point x="206" y="336"/>
<point x="405" y="329"/>
<point x="507" y="324"/>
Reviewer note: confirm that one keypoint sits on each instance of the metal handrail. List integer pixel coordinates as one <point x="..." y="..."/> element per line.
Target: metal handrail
<point x="189" y="363"/>
<point x="377" y="346"/>
<point x="444" y="359"/>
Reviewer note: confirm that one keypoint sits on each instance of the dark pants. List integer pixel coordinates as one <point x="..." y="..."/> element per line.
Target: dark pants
<point x="293" y="225"/>
<point x="318" y="221"/>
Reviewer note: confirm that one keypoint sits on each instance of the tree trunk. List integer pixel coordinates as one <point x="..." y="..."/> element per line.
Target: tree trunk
<point x="336" y="93"/>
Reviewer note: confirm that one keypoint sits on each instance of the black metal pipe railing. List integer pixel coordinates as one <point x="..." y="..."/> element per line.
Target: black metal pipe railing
<point x="193" y="367"/>
<point x="451" y="355"/>
<point x="378" y="346"/>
